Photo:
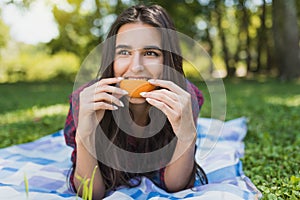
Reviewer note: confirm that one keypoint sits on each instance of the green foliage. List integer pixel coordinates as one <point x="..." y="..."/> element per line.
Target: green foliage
<point x="80" y="30"/>
<point x="34" y="64"/>
<point x="190" y="70"/>
<point x="4" y="34"/>
<point x="237" y="34"/>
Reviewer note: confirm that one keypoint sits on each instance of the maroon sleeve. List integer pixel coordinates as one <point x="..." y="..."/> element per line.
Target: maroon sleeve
<point x="197" y="99"/>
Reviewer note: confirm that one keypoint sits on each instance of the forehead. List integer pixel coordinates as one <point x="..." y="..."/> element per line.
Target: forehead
<point x="138" y="35"/>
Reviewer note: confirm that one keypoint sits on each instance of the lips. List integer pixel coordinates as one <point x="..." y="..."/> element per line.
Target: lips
<point x="135" y="85"/>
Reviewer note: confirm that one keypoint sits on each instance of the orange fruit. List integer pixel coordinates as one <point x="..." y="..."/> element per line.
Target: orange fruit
<point x="135" y="87"/>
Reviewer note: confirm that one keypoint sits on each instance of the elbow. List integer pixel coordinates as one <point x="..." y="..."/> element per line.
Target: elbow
<point x="179" y="182"/>
<point x="175" y="184"/>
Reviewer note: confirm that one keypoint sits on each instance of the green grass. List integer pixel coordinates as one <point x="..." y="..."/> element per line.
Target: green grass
<point x="272" y="145"/>
<point x="31" y="110"/>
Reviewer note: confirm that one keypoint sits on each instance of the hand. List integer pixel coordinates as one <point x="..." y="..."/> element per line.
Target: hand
<point x="93" y="101"/>
<point x="176" y="104"/>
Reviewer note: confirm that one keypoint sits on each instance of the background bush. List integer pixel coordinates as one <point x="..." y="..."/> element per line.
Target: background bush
<point x="39" y="66"/>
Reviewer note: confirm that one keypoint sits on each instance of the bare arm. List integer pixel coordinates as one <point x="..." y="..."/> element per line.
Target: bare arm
<point x="85" y="165"/>
<point x="94" y="100"/>
<point x="176" y="104"/>
<point x="179" y="171"/>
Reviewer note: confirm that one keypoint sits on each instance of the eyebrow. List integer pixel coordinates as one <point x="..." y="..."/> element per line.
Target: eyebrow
<point x="123" y="46"/>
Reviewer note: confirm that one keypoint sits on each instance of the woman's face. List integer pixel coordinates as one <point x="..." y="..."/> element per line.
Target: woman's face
<point x="138" y="53"/>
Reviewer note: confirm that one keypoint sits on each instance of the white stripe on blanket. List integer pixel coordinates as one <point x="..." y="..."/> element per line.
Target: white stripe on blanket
<point x="45" y="163"/>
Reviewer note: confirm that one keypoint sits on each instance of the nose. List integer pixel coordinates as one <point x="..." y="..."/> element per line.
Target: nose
<point x="136" y="64"/>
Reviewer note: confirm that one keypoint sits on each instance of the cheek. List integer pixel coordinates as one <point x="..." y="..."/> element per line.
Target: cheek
<point x="155" y="68"/>
<point x="157" y="71"/>
<point x="120" y="67"/>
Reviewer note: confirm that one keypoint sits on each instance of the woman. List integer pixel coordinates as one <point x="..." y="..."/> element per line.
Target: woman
<point x="141" y="45"/>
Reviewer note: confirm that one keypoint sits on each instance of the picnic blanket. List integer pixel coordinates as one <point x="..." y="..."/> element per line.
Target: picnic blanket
<point x="45" y="164"/>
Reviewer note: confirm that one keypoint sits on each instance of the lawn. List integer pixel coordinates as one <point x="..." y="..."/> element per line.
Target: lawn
<point x="31" y="110"/>
<point x="272" y="160"/>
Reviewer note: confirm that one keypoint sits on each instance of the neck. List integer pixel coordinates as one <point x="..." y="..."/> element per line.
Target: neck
<point x="140" y="113"/>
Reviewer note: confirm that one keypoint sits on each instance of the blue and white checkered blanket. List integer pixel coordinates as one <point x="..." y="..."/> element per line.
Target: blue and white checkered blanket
<point x="45" y="163"/>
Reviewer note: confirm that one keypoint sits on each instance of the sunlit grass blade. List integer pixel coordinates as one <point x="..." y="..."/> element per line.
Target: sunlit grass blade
<point x="82" y="180"/>
<point x="91" y="184"/>
<point x="26" y="185"/>
<point x="85" y="189"/>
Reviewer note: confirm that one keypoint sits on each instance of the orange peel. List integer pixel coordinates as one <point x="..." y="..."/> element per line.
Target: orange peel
<point x="134" y="87"/>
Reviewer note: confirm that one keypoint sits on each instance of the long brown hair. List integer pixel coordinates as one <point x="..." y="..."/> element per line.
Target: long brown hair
<point x="157" y="17"/>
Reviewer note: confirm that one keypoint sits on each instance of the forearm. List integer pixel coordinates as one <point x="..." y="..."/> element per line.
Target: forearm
<point x="85" y="165"/>
<point x="178" y="172"/>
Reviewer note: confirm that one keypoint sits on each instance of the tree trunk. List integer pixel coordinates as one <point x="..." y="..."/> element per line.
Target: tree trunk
<point x="211" y="48"/>
<point x="262" y="42"/>
<point x="286" y="38"/>
<point x="230" y="70"/>
<point x="245" y="27"/>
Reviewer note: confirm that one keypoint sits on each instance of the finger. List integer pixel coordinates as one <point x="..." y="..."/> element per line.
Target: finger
<point x="109" y="81"/>
<point x="167" y="97"/>
<point x="107" y="98"/>
<point x="104" y="106"/>
<point x="166" y="84"/>
<point x="162" y="93"/>
<point x="102" y="83"/>
<point x="169" y="112"/>
<point x="110" y="89"/>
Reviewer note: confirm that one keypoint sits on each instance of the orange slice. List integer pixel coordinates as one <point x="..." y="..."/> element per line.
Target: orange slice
<point x="135" y="87"/>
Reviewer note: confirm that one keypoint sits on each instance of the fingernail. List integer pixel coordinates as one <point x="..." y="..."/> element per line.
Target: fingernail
<point x="148" y="99"/>
<point x="151" y="81"/>
<point x="115" y="107"/>
<point x="122" y="104"/>
<point x="124" y="92"/>
<point x="143" y="93"/>
<point x="120" y="78"/>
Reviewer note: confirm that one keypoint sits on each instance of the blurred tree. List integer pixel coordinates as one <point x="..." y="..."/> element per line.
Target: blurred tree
<point x="261" y="37"/>
<point x="4" y="34"/>
<point x="81" y="29"/>
<point x="245" y="27"/>
<point x="237" y="33"/>
<point x="220" y="13"/>
<point x="243" y="49"/>
<point x="76" y="29"/>
<point x="298" y="11"/>
<point x="21" y="4"/>
<point x="183" y="14"/>
<point x="286" y="38"/>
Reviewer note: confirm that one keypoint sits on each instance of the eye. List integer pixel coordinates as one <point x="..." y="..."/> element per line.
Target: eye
<point x="123" y="52"/>
<point x="151" y="53"/>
